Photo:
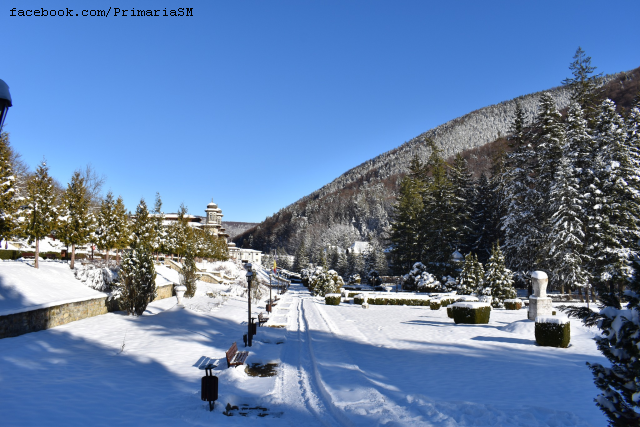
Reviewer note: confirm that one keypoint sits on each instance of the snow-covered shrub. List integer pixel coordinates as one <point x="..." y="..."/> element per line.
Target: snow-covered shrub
<point x="450" y="312"/>
<point x="332" y="299"/>
<point x="398" y="301"/>
<point x="471" y="312"/>
<point x="434" y="304"/>
<point x="374" y="279"/>
<point x="325" y="282"/>
<point x="552" y="331"/>
<point x="305" y="274"/>
<point x="99" y="279"/>
<point x="354" y="279"/>
<point x="513" y="304"/>
<point x="419" y="279"/>
<point x="359" y="299"/>
<point x="450" y="284"/>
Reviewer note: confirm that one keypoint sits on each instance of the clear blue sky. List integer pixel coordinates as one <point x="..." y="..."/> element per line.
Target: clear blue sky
<point x="258" y="103"/>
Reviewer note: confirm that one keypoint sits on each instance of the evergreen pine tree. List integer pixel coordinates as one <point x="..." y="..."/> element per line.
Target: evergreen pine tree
<point x="106" y="228"/>
<point x="520" y="200"/>
<point x="159" y="230"/>
<point x="565" y="244"/>
<point x="438" y="220"/>
<point x="188" y="276"/>
<point x="40" y="212"/>
<point x="468" y="280"/>
<point x="549" y="142"/>
<point x="301" y="261"/>
<point x="613" y="225"/>
<point x="123" y="225"/>
<point x="8" y="206"/>
<point x="137" y="279"/>
<point x="76" y="221"/>
<point x="585" y="86"/>
<point x="619" y="342"/>
<point x="405" y="226"/>
<point x="463" y="198"/>
<point x="143" y="227"/>
<point x="499" y="278"/>
<point x="484" y="231"/>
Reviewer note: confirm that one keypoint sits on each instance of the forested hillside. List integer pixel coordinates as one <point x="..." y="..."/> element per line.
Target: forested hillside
<point x="358" y="205"/>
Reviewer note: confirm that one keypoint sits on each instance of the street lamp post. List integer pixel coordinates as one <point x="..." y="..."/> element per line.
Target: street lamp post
<point x="5" y="102"/>
<point x="248" y="266"/>
<point x="270" y="302"/>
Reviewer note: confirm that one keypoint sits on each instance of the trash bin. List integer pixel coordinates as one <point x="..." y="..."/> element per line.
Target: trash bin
<point x="209" y="387"/>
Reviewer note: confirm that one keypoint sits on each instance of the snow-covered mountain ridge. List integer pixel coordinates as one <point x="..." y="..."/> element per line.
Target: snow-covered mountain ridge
<point x="358" y="203"/>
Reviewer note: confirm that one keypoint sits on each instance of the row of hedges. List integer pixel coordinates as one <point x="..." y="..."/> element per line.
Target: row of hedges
<point x="15" y="254"/>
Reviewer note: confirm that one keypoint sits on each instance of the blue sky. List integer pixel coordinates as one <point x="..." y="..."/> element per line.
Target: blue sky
<point x="258" y="103"/>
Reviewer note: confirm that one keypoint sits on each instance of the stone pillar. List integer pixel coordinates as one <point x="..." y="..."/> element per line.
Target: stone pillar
<point x="539" y="303"/>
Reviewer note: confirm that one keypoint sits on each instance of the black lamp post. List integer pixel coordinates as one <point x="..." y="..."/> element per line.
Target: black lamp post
<point x="5" y="102"/>
<point x="248" y="266"/>
<point x="270" y="302"/>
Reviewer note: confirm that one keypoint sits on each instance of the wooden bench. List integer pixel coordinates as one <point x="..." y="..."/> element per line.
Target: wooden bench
<point x="262" y="319"/>
<point x="235" y="357"/>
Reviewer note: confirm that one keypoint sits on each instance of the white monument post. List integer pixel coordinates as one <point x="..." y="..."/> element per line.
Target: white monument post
<point x="539" y="303"/>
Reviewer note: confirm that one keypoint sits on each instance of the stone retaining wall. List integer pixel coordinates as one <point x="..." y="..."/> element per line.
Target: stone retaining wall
<point x="13" y="325"/>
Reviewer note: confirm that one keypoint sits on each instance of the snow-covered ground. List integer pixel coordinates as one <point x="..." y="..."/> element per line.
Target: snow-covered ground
<point x="24" y="288"/>
<point x="338" y="365"/>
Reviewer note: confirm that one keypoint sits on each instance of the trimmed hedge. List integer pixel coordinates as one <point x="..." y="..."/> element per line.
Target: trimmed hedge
<point x="450" y="312"/>
<point x="392" y="301"/>
<point x="332" y="299"/>
<point x="512" y="305"/>
<point x="359" y="299"/>
<point x="434" y="305"/>
<point x="15" y="254"/>
<point x="553" y="334"/>
<point x="474" y="316"/>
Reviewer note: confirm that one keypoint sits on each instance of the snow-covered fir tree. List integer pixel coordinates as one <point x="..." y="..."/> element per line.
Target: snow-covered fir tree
<point x="471" y="278"/>
<point x="463" y="197"/>
<point x="520" y="224"/>
<point x="136" y="287"/>
<point x="188" y="272"/>
<point x="76" y="222"/>
<point x="143" y="227"/>
<point x="112" y="231"/>
<point x="39" y="214"/>
<point x="160" y="232"/>
<point x="498" y="278"/>
<point x="564" y="248"/>
<point x="613" y="225"/>
<point x="8" y="205"/>
<point x="406" y="248"/>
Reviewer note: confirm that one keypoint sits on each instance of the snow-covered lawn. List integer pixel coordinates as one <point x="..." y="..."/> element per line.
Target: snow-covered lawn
<point x="338" y="365"/>
<point x="23" y="287"/>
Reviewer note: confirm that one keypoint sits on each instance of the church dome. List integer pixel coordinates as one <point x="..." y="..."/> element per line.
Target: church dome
<point x="212" y="206"/>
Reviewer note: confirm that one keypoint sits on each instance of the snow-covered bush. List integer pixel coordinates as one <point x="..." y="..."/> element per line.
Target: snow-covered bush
<point x="359" y="299"/>
<point x="332" y="299"/>
<point x="99" y="279"/>
<point x="434" y="304"/>
<point x="552" y="331"/>
<point x="471" y="312"/>
<point x="513" y="304"/>
<point x="325" y="282"/>
<point x="354" y="279"/>
<point x="419" y="279"/>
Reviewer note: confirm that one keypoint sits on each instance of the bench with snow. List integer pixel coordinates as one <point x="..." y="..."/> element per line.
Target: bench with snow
<point x="235" y="357"/>
<point x="262" y="319"/>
